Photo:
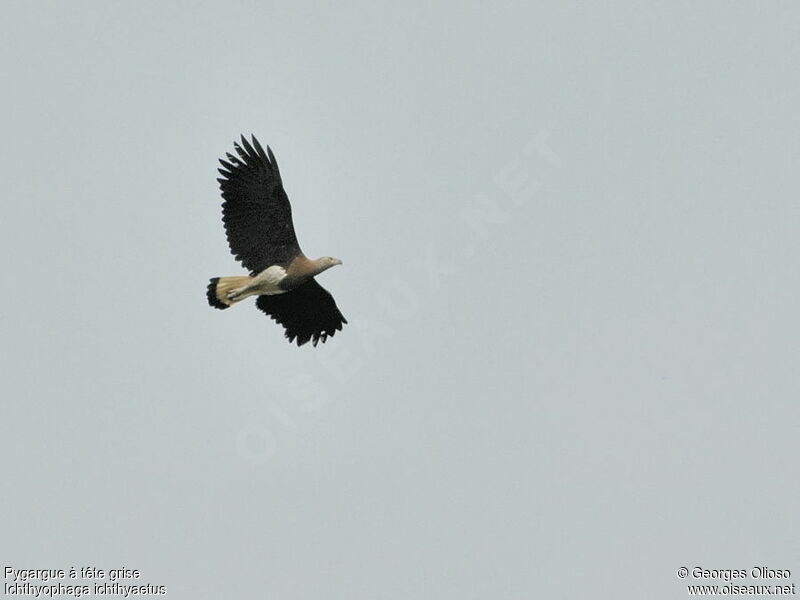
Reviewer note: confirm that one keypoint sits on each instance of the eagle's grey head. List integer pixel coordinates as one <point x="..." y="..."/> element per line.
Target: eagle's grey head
<point x="326" y="262"/>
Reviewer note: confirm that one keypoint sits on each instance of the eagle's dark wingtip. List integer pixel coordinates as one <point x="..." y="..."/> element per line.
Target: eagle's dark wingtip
<point x="248" y="148"/>
<point x="259" y="149"/>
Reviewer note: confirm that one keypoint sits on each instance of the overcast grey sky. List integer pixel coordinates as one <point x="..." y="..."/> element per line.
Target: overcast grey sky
<point x="570" y="245"/>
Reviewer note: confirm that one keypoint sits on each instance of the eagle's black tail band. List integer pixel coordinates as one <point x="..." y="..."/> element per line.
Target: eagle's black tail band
<point x="212" y="295"/>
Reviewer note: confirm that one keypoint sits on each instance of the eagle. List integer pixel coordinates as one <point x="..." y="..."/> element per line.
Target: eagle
<point x="258" y="224"/>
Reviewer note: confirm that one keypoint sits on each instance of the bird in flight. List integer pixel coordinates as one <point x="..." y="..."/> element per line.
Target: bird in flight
<point x="258" y="224"/>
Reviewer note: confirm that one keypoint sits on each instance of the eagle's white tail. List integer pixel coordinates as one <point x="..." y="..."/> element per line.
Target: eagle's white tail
<point x="220" y="287"/>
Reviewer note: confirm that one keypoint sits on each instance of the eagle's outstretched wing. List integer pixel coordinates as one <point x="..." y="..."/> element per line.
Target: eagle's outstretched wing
<point x="308" y="312"/>
<point x="256" y="210"/>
